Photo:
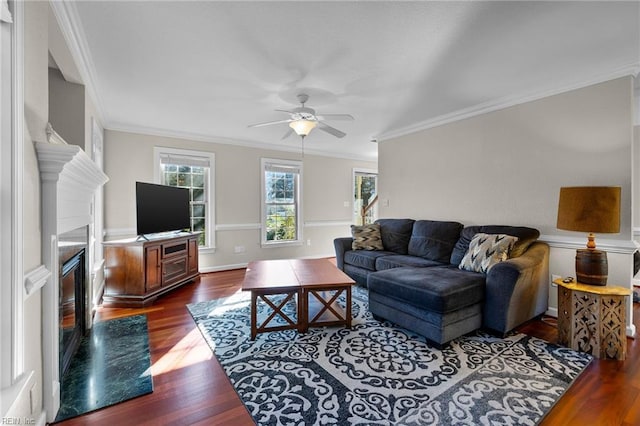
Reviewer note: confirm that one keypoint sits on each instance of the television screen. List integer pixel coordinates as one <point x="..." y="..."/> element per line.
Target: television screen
<point x="161" y="208"/>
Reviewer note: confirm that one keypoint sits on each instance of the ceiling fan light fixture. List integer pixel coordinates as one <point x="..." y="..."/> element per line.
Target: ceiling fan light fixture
<point x="303" y="127"/>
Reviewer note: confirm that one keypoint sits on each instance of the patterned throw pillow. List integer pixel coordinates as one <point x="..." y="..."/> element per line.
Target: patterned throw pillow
<point x="366" y="237"/>
<point x="486" y="250"/>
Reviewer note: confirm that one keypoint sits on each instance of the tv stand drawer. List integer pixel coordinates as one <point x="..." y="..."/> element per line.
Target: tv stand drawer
<point x="174" y="249"/>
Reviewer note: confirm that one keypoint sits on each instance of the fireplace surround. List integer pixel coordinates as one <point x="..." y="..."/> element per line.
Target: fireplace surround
<point x="69" y="180"/>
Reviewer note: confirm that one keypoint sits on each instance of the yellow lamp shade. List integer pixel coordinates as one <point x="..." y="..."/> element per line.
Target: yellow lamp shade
<point x="589" y="209"/>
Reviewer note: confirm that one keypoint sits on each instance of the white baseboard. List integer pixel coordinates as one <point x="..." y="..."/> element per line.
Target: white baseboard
<point x="552" y="312"/>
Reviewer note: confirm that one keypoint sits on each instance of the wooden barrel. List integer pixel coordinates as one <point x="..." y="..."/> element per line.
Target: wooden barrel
<point x="591" y="267"/>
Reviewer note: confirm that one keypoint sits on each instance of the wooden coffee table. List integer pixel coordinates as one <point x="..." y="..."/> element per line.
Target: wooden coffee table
<point x="314" y="285"/>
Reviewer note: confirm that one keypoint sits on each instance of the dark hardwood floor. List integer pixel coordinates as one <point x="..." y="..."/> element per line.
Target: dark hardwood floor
<point x="190" y="387"/>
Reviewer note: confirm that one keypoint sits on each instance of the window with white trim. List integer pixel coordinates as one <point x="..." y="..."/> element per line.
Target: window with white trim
<point x="193" y="170"/>
<point x="281" y="202"/>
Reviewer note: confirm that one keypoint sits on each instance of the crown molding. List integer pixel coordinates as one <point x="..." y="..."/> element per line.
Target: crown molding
<point x="508" y="101"/>
<point x="150" y="131"/>
<point x="66" y="15"/>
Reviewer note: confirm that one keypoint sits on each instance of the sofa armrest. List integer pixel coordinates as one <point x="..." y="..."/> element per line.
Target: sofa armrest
<point x="517" y="290"/>
<point x="342" y="245"/>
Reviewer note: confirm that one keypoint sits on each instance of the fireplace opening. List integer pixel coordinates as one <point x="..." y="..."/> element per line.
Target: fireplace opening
<point x="73" y="299"/>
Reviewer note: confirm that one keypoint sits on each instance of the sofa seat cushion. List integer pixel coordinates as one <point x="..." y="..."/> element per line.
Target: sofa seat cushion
<point x="364" y="258"/>
<point x="438" y="289"/>
<point x="399" y="260"/>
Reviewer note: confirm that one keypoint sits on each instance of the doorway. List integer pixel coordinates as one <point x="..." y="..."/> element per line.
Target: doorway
<point x="365" y="196"/>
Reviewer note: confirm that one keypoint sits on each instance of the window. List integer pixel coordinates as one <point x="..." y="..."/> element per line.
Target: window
<point x="193" y="170"/>
<point x="281" y="202"/>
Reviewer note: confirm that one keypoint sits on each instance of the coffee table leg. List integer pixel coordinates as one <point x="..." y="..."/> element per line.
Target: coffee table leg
<point x="348" y="313"/>
<point x="303" y="311"/>
<point x="254" y="315"/>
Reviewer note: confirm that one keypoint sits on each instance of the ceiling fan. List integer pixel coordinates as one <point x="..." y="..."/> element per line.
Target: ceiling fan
<point x="303" y="119"/>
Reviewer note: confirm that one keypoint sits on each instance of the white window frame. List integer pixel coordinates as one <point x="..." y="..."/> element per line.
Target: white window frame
<point x="210" y="223"/>
<point x="12" y="290"/>
<point x="264" y="162"/>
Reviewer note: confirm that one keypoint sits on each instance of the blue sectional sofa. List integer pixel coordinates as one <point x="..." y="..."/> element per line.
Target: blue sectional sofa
<point x="415" y="280"/>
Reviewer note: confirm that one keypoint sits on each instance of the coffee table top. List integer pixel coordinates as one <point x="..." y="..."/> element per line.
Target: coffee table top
<point x="272" y="274"/>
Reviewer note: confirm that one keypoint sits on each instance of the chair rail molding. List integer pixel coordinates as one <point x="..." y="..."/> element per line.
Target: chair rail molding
<point x="608" y="245"/>
<point x="35" y="279"/>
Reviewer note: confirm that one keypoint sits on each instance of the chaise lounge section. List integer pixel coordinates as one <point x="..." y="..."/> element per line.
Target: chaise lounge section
<point x="415" y="279"/>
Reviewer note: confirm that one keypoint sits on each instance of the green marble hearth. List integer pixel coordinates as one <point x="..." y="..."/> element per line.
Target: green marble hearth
<point x="112" y="365"/>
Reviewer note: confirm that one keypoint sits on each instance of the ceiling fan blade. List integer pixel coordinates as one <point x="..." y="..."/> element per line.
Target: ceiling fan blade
<point x="284" y="110"/>
<point x="286" y="135"/>
<point x="331" y="130"/>
<point x="338" y="117"/>
<point x="268" y="123"/>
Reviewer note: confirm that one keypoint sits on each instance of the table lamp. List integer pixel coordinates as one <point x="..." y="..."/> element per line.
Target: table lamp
<point x="590" y="209"/>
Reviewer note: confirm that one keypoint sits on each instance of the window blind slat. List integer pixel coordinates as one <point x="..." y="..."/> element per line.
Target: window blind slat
<point x="277" y="168"/>
<point x="184" y="160"/>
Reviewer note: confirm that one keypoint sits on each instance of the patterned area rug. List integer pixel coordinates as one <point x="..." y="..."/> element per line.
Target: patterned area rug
<point x="380" y="374"/>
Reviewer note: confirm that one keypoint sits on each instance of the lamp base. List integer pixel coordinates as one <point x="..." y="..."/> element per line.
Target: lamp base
<point x="591" y="267"/>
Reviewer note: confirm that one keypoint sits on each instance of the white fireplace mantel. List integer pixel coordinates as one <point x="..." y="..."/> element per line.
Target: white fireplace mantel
<point x="75" y="177"/>
<point x="69" y="182"/>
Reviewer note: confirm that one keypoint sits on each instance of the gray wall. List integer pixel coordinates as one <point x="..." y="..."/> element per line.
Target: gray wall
<point x="67" y="108"/>
<point x="326" y="187"/>
<point x="507" y="166"/>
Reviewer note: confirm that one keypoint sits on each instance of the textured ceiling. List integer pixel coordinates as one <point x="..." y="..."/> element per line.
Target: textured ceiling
<point x="207" y="70"/>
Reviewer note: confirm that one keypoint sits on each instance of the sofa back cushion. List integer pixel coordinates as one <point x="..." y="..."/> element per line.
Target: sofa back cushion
<point x="396" y="234"/>
<point x="434" y="240"/>
<point x="526" y="237"/>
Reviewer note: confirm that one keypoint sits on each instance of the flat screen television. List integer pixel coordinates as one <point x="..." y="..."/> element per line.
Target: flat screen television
<point x="161" y="208"/>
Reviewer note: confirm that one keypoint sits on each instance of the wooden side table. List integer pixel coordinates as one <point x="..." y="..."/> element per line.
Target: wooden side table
<point x="592" y="319"/>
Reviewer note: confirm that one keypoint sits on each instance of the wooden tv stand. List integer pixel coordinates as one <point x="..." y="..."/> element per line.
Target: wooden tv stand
<point x="137" y="271"/>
